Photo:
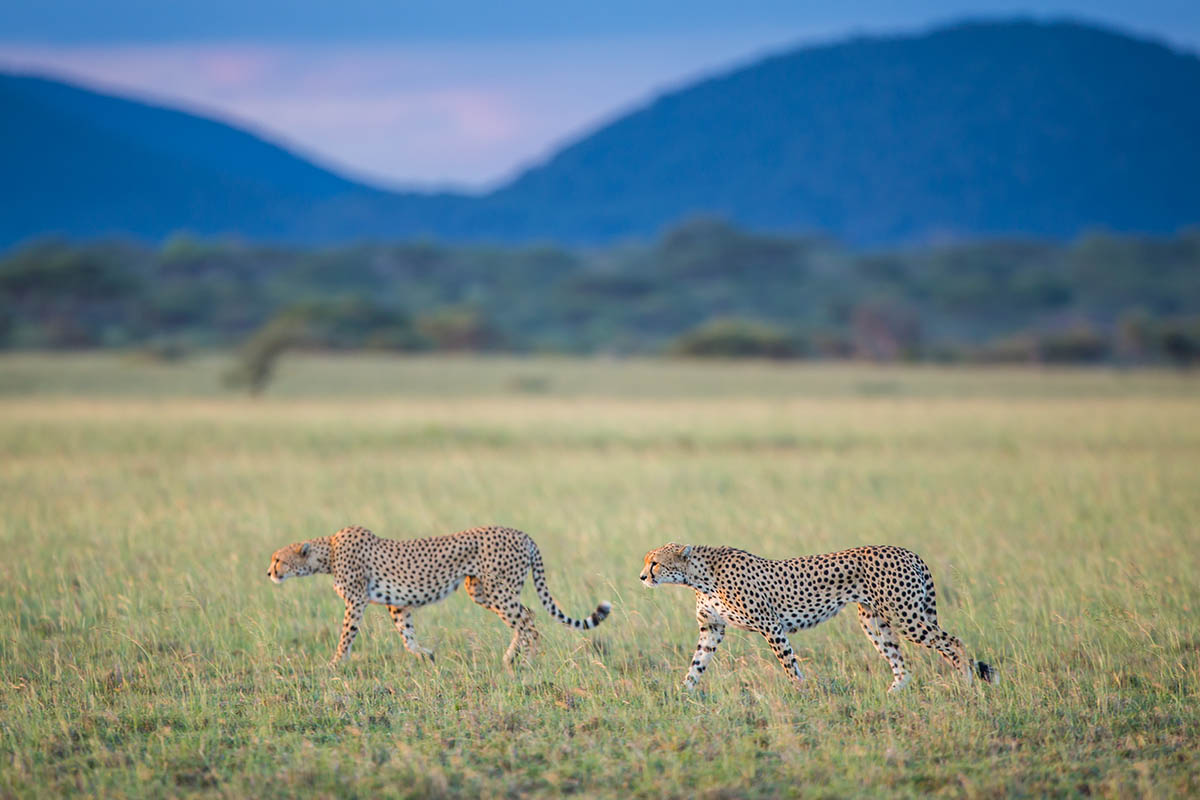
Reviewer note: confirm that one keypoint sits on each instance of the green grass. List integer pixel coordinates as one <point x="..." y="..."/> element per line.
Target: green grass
<point x="143" y="652"/>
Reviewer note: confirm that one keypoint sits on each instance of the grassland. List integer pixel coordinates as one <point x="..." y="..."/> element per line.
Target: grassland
<point x="144" y="653"/>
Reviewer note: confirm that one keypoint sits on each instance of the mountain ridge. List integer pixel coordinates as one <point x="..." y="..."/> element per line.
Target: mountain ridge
<point x="978" y="128"/>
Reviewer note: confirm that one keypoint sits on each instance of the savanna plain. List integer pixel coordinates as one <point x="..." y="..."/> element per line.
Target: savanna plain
<point x="143" y="652"/>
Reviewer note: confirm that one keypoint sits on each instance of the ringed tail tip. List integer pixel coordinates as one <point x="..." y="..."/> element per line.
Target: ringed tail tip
<point x="985" y="671"/>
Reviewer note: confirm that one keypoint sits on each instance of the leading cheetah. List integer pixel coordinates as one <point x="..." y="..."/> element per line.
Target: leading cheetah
<point x="407" y="574"/>
<point x="890" y="585"/>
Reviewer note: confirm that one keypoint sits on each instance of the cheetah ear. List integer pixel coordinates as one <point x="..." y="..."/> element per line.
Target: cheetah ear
<point x="687" y="551"/>
<point x="304" y="548"/>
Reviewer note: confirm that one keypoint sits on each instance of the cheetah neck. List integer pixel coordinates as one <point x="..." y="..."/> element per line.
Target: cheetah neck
<point x="700" y="574"/>
<point x="321" y="548"/>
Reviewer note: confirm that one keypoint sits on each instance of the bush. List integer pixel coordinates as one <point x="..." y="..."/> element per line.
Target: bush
<point x="256" y="366"/>
<point x="348" y="323"/>
<point x="736" y="338"/>
<point x="1078" y="345"/>
<point x="459" y="329"/>
<point x="831" y="344"/>
<point x="55" y="270"/>
<point x="1179" y="341"/>
<point x="1134" y="335"/>
<point x="886" y="330"/>
<point x="1020" y="348"/>
<point x="160" y="351"/>
<point x="353" y="322"/>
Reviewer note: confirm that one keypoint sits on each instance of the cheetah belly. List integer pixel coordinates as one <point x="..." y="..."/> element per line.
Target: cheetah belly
<point x="389" y="591"/>
<point x="811" y="614"/>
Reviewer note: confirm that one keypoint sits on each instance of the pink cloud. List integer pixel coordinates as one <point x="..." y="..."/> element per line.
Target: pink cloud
<point x="399" y="115"/>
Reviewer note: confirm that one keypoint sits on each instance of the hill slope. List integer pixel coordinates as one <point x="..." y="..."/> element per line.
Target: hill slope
<point x="981" y="128"/>
<point x="976" y="129"/>
<point x="85" y="164"/>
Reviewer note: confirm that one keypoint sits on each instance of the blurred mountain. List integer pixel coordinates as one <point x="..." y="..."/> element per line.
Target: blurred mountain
<point x="84" y="164"/>
<point x="979" y="129"/>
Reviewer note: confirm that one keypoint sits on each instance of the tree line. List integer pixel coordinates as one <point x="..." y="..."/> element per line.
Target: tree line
<point x="704" y="288"/>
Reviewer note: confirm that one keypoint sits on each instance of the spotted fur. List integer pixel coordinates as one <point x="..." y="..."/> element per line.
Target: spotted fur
<point x="405" y="574"/>
<point x="891" y="586"/>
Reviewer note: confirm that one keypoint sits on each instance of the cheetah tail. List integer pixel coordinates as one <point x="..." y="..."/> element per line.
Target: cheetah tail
<point x="539" y="583"/>
<point x="986" y="671"/>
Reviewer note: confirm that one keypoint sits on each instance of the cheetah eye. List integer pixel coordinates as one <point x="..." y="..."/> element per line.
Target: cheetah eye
<point x="653" y="566"/>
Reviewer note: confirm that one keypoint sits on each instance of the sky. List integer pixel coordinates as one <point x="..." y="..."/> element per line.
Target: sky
<point x="459" y="93"/>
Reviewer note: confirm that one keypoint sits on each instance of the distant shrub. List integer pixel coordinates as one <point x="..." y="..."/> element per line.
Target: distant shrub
<point x="529" y="384"/>
<point x="1021" y="348"/>
<point x="1134" y="336"/>
<point x="1179" y="341"/>
<point x="708" y="247"/>
<point x="352" y="323"/>
<point x="1077" y="345"/>
<point x="737" y="338"/>
<point x="67" y="332"/>
<point x="256" y="363"/>
<point x="57" y="270"/>
<point x="831" y="344"/>
<point x="7" y="324"/>
<point x="1081" y="344"/>
<point x="347" y="323"/>
<point x="948" y="352"/>
<point x="886" y="330"/>
<point x="459" y="329"/>
<point x="161" y="351"/>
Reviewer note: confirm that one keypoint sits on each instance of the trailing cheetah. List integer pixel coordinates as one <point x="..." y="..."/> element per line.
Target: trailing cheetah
<point x="891" y="586"/>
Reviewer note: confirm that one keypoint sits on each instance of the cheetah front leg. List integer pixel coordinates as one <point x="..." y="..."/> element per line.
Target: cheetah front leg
<point x="402" y="618"/>
<point x="354" y="612"/>
<point x="711" y="634"/>
<point x="782" y="648"/>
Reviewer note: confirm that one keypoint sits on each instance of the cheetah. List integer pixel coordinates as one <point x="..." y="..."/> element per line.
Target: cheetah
<point x="405" y="574"/>
<point x="890" y="585"/>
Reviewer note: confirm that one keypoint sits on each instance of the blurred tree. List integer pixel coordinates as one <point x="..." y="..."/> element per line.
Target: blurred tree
<point x="628" y="298"/>
<point x="886" y="330"/>
<point x="346" y="323"/>
<point x="737" y="338"/>
<point x="1180" y="341"/>
<point x="258" y="357"/>
<point x="1020" y="348"/>
<point x="1080" y="343"/>
<point x="461" y="329"/>
<point x="1134" y="337"/>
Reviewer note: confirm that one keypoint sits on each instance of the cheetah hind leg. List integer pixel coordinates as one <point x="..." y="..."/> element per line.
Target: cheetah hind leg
<point x="402" y="618"/>
<point x="879" y="631"/>
<point x="509" y="609"/>
<point x="525" y="636"/>
<point x="949" y="647"/>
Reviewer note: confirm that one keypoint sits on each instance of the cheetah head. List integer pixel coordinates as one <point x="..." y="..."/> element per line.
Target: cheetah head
<point x="667" y="564"/>
<point x="293" y="561"/>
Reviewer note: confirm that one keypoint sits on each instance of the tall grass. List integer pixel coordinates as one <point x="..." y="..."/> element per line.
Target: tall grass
<point x="144" y="652"/>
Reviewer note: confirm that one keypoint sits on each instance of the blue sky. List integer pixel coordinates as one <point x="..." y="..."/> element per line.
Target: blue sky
<point x="462" y="92"/>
